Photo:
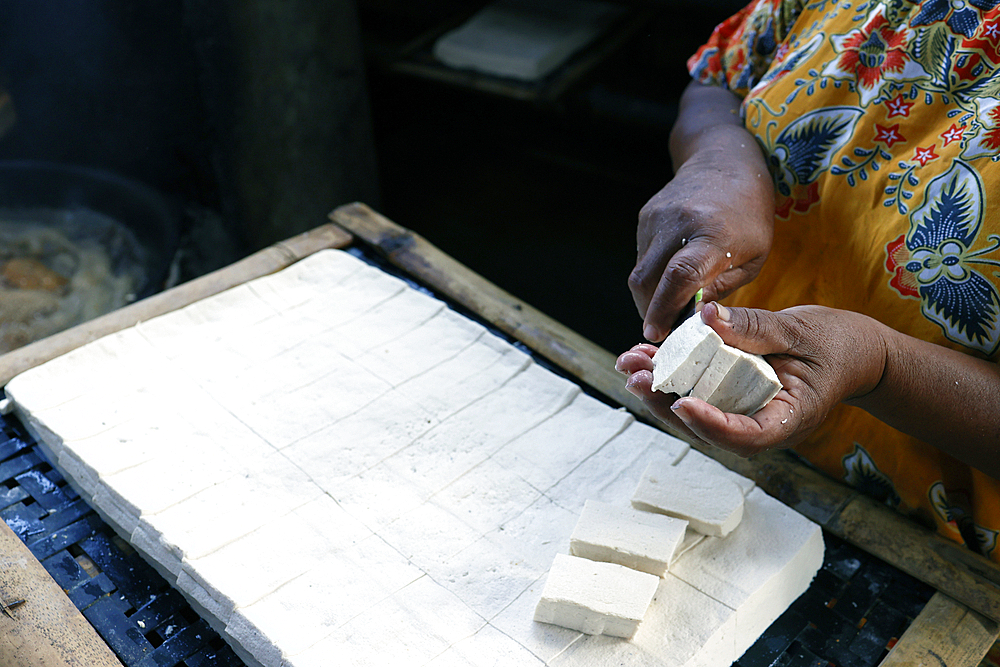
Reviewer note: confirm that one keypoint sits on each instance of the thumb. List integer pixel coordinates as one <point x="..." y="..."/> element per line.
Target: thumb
<point x="749" y="329"/>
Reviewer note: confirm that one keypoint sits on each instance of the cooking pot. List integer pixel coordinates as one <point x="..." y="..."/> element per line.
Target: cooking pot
<point x="149" y="215"/>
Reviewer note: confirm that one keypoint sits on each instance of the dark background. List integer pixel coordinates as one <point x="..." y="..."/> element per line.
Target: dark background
<point x="257" y="117"/>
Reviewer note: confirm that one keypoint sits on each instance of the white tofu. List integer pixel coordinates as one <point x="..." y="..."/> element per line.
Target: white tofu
<point x="611" y="473"/>
<point x="595" y="598"/>
<point x="711" y="503"/>
<point x="642" y="541"/>
<point x="683" y="628"/>
<point x="758" y="570"/>
<point x="684" y="356"/>
<point x="737" y="382"/>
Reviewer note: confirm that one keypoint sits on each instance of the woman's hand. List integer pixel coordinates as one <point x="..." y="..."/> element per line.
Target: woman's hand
<point x="822" y="357"/>
<point x="711" y="226"/>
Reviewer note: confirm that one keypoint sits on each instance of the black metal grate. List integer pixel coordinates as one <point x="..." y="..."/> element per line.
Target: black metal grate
<point x="144" y="621"/>
<point x="851" y="615"/>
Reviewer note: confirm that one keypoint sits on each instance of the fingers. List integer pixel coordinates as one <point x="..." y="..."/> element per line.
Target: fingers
<point x="776" y="425"/>
<point x="635" y="360"/>
<point x="752" y="330"/>
<point x="690" y="269"/>
<point x="640" y="384"/>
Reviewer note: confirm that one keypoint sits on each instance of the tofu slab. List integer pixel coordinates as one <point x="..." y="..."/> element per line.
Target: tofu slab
<point x="643" y="541"/>
<point x="758" y="570"/>
<point x="428" y="474"/>
<point x="595" y="598"/>
<point x="711" y="503"/>
<point x="737" y="382"/>
<point x="683" y="357"/>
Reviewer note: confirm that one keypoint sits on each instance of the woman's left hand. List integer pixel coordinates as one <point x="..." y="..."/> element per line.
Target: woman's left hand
<point x="822" y="357"/>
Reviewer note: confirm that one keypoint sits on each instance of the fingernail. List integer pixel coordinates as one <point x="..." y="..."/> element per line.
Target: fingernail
<point x="722" y="311"/>
<point x="630" y="387"/>
<point x="680" y="409"/>
<point x="651" y="333"/>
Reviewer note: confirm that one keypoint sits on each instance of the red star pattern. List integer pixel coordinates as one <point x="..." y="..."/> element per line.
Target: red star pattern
<point x="899" y="106"/>
<point x="889" y="135"/>
<point x="953" y="133"/>
<point x="925" y="155"/>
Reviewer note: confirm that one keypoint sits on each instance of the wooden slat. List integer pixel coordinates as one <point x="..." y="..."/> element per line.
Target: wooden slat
<point x="944" y="634"/>
<point x="966" y="577"/>
<point x="266" y="261"/>
<point x="47" y="630"/>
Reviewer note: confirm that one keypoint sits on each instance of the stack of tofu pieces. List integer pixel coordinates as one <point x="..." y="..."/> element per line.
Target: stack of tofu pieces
<point x="336" y="468"/>
<point x="698" y="545"/>
<point x="694" y="361"/>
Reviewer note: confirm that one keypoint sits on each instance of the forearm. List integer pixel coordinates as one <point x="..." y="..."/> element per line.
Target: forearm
<point x="940" y="396"/>
<point x="708" y="122"/>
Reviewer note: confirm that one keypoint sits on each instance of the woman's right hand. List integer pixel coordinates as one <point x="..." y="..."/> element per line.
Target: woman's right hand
<point x="711" y="226"/>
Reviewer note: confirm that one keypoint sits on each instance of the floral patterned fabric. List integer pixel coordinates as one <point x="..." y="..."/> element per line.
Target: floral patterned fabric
<point x="881" y="122"/>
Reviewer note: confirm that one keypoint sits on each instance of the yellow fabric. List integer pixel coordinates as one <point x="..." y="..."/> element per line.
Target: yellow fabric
<point x="883" y="129"/>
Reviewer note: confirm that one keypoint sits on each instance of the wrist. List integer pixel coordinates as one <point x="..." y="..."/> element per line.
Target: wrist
<point x="869" y="374"/>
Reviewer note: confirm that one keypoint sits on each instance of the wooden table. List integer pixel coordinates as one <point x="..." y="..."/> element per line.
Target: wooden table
<point x="956" y="627"/>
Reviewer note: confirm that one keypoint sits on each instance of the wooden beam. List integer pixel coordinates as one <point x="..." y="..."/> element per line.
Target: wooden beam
<point x="944" y="634"/>
<point x="46" y="630"/>
<point x="966" y="577"/>
<point x="268" y="260"/>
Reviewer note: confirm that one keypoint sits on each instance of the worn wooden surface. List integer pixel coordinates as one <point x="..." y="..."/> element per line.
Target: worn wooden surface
<point x="969" y="579"/>
<point x="47" y="630"/>
<point x="945" y="634"/>
<point x="266" y="261"/>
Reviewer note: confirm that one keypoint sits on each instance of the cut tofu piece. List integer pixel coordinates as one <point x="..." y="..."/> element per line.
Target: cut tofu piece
<point x="737" y="382"/>
<point x="683" y="628"/>
<point x="711" y="503"/>
<point x="758" y="570"/>
<point x="595" y="598"/>
<point x="642" y="541"/>
<point x="684" y="356"/>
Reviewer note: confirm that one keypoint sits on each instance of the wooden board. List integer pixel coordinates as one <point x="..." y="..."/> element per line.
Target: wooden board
<point x="945" y="633"/>
<point x="47" y="630"/>
<point x="971" y="580"/>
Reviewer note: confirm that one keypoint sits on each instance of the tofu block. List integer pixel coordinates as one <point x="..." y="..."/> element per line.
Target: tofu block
<point x="758" y="570"/>
<point x="737" y="382"/>
<point x="595" y="598"/>
<point x="711" y="503"/>
<point x="683" y="628"/>
<point x="642" y="541"/>
<point x="684" y="356"/>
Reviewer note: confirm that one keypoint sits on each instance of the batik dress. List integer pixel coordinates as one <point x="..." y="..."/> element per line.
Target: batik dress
<point x="881" y="122"/>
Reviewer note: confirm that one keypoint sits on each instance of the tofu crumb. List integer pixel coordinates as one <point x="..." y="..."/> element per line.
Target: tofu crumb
<point x="784" y="420"/>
